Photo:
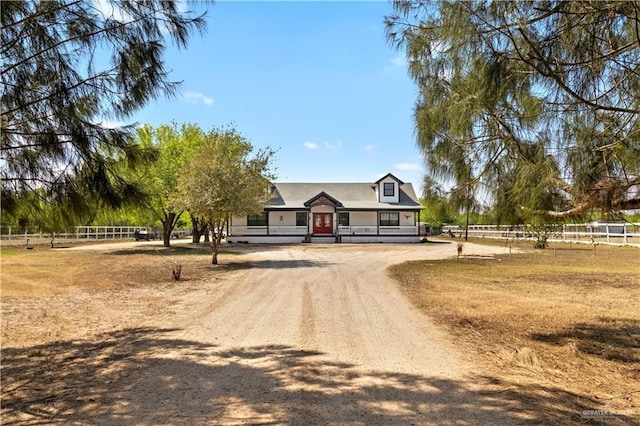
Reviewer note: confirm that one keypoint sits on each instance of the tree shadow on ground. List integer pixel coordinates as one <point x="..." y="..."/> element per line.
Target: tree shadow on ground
<point x="272" y="264"/>
<point x="254" y="247"/>
<point x="144" y="376"/>
<point x="616" y="340"/>
<point x="161" y="251"/>
<point x="431" y="241"/>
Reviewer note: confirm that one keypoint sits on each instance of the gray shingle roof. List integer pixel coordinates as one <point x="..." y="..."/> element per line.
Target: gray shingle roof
<point x="353" y="196"/>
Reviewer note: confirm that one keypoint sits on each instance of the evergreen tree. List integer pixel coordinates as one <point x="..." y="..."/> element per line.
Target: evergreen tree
<point x="67" y="67"/>
<point x="536" y="103"/>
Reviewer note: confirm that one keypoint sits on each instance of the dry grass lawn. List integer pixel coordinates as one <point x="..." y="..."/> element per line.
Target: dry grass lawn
<point x="566" y="318"/>
<point x="31" y="273"/>
<point x="50" y="292"/>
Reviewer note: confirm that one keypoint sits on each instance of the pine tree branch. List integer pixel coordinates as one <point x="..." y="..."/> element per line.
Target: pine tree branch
<point x="547" y="71"/>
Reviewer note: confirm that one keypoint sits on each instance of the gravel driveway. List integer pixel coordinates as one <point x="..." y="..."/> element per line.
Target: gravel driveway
<point x="319" y="334"/>
<point x="300" y="335"/>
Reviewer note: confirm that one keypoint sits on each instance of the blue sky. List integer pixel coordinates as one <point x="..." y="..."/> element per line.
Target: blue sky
<point x="315" y="80"/>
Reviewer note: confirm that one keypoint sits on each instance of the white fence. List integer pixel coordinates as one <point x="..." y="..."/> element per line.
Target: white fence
<point x="82" y="233"/>
<point x="598" y="232"/>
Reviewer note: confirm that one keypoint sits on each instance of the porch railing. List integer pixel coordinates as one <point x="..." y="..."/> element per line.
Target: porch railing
<point x="247" y="230"/>
<point x="358" y="230"/>
<point x="342" y="230"/>
<point x="399" y="230"/>
<point x="374" y="230"/>
<point x="288" y="230"/>
<point x="272" y="230"/>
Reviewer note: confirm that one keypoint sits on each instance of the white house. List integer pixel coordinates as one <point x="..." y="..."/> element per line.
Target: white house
<point x="384" y="211"/>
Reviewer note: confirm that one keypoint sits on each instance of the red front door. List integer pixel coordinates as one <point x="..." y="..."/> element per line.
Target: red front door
<point x="323" y="223"/>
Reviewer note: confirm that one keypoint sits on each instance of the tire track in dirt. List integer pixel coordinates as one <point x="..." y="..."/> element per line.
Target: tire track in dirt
<point x="316" y="335"/>
<point x="294" y="335"/>
<point x="308" y="319"/>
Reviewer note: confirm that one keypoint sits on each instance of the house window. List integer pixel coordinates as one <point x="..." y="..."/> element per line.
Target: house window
<point x="389" y="189"/>
<point x="389" y="219"/>
<point x="301" y="218"/>
<point x="343" y="218"/>
<point x="257" y="219"/>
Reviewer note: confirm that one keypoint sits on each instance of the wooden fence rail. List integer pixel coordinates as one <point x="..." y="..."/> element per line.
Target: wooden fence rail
<point x="13" y="235"/>
<point x="588" y="233"/>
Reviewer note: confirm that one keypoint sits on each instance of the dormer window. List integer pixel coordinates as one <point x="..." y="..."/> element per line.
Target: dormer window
<point x="389" y="189"/>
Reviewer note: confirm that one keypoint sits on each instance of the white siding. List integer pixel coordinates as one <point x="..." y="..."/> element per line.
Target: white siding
<point x="396" y="191"/>
<point x="282" y="218"/>
<point x="322" y="209"/>
<point x="407" y="221"/>
<point x="363" y="218"/>
<point x="239" y="221"/>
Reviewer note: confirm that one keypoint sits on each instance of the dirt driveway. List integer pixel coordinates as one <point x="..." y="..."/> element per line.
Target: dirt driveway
<point x="313" y="334"/>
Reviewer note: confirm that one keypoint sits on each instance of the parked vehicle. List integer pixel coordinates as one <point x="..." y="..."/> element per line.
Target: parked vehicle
<point x="141" y="234"/>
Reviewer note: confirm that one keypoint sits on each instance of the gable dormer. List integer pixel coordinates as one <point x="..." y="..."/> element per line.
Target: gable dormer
<point x="388" y="189"/>
<point x="322" y="199"/>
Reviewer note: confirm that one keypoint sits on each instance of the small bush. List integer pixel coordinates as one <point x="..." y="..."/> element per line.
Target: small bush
<point x="540" y="244"/>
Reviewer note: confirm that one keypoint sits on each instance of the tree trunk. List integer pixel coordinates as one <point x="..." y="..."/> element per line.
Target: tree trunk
<point x="215" y="246"/>
<point x="466" y="227"/>
<point x="167" y="228"/>
<point x="196" y="230"/>
<point x="216" y="239"/>
<point x="166" y="234"/>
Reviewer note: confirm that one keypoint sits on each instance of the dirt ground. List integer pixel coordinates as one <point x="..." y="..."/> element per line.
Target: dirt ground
<point x="301" y="334"/>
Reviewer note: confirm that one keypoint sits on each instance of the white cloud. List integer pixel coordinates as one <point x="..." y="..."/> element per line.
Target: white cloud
<point x="438" y="47"/>
<point x="108" y="10"/>
<point x="197" y="97"/>
<point x="110" y="124"/>
<point x="369" y="147"/>
<point x="310" y="145"/>
<point x="399" y="61"/>
<point x="407" y="166"/>
<point x="333" y="146"/>
<point x="327" y="146"/>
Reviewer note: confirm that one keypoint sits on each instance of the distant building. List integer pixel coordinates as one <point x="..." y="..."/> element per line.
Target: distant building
<point x="384" y="211"/>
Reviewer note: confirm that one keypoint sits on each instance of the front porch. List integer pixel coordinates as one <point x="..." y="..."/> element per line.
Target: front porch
<point x="341" y="231"/>
<point x="283" y="234"/>
<point x="323" y="218"/>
